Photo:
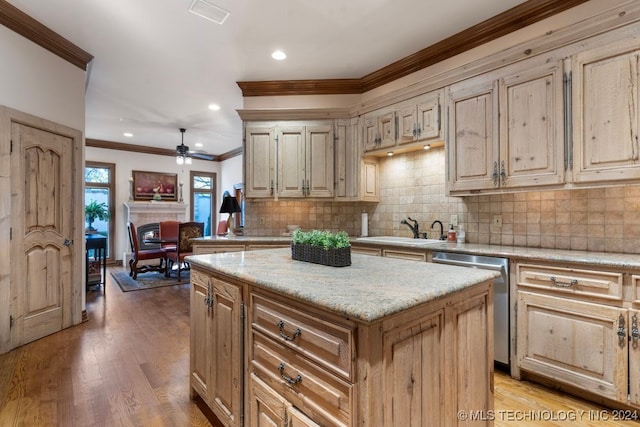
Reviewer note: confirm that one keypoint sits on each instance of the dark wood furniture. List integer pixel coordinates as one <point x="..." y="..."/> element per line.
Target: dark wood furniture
<point x="96" y="260"/>
<point x="138" y="254"/>
<point x="169" y="235"/>
<point x="186" y="232"/>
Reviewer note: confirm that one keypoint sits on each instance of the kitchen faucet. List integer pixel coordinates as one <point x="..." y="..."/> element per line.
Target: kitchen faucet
<point x="442" y="235"/>
<point x="414" y="228"/>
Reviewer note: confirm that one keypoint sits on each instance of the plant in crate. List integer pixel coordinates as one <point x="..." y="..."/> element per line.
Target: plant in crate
<point x="321" y="247"/>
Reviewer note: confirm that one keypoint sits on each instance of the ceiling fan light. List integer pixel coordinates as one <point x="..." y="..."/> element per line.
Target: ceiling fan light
<point x="187" y="160"/>
<point x="180" y="160"/>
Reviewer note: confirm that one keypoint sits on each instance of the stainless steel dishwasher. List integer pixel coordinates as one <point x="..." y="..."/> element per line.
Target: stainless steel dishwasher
<point x="500" y="296"/>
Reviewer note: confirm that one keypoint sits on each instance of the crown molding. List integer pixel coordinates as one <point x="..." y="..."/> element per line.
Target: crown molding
<point x="509" y="21"/>
<point x="23" y="24"/>
<point x="296" y="114"/>
<point x="145" y="149"/>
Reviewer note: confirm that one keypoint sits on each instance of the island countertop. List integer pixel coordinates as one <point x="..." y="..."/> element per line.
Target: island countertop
<point x="368" y="290"/>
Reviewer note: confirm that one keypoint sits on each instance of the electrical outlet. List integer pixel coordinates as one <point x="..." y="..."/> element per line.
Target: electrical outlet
<point x="454" y="220"/>
<point x="497" y="220"/>
<point x="262" y="220"/>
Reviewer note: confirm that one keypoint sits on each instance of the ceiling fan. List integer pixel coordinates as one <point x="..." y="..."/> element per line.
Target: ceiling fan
<point x="184" y="155"/>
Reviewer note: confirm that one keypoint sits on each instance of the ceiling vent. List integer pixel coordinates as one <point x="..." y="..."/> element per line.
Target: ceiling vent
<point x="209" y="11"/>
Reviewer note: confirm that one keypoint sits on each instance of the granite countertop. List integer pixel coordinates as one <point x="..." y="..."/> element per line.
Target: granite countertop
<point x="368" y="290"/>
<point x="604" y="259"/>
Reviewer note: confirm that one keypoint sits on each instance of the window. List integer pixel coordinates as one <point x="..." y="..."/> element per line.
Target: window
<point x="203" y="199"/>
<point x="99" y="188"/>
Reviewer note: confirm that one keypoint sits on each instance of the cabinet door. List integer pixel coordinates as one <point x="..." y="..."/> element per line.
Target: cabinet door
<point x="605" y="114"/>
<point x="319" y="161"/>
<point x="225" y="357"/>
<point x="407" y="124"/>
<point x="634" y="357"/>
<point x="414" y="374"/>
<point x="260" y="160"/>
<point x="369" y="181"/>
<point x="370" y="134"/>
<point x="298" y="419"/>
<point x="291" y="161"/>
<point x="199" y="334"/>
<point x="387" y="130"/>
<point x="473" y="148"/>
<point x="532" y="126"/>
<point x="428" y="115"/>
<point x="573" y="342"/>
<point x="268" y="408"/>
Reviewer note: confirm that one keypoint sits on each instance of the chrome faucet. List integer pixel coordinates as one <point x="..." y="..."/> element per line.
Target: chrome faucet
<point x="414" y="228"/>
<point x="442" y="235"/>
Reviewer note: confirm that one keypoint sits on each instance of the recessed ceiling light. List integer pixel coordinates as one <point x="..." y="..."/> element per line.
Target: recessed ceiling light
<point x="128" y="134"/>
<point x="214" y="107"/>
<point x="279" y="55"/>
<point x="198" y="144"/>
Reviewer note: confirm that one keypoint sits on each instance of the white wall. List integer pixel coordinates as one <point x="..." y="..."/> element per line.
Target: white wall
<point x="37" y="82"/>
<point x="231" y="174"/>
<point x="126" y="162"/>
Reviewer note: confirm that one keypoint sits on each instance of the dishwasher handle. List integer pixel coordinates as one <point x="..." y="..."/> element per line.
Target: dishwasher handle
<point x="468" y="264"/>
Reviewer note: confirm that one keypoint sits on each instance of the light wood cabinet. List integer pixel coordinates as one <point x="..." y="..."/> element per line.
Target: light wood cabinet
<point x="305" y="161"/>
<point x="378" y="131"/>
<point x="356" y="176"/>
<point x="573" y="342"/>
<point x="216" y="363"/>
<point x="260" y="161"/>
<point x="308" y="367"/>
<point x="606" y="113"/>
<point x="419" y="119"/>
<point x="577" y="326"/>
<point x="506" y="129"/>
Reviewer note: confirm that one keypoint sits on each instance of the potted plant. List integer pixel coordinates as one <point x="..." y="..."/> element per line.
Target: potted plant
<point x="321" y="247"/>
<point x="93" y="211"/>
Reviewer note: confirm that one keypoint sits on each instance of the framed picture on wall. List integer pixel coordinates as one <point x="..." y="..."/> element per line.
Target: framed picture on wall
<point x="155" y="186"/>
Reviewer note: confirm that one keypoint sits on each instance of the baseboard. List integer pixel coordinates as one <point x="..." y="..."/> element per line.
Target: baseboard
<point x="85" y="316"/>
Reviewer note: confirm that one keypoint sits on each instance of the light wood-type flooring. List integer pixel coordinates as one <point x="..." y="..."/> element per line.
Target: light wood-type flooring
<point x="128" y="366"/>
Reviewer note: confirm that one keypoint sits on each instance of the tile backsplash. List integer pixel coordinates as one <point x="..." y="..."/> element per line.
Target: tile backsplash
<point x="413" y="185"/>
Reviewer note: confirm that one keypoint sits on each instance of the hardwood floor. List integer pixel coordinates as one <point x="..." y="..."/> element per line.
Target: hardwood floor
<point x="128" y="366"/>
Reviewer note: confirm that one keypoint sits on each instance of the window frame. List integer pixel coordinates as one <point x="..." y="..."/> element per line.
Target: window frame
<point x="192" y="192"/>
<point x="111" y="186"/>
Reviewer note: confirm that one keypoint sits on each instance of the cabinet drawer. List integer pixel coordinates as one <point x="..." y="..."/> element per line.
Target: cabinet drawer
<point x="411" y="256"/>
<point x="327" y="344"/>
<point x="591" y="283"/>
<point x="321" y="395"/>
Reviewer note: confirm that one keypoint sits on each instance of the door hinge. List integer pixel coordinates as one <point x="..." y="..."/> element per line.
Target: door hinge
<point x="11" y="147"/>
<point x="10" y="233"/>
<point x="11" y="321"/>
<point x="242" y="310"/>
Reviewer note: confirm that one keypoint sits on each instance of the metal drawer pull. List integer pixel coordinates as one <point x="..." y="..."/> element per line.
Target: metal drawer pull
<point x="287" y="378"/>
<point x="556" y="282"/>
<point x="635" y="333"/>
<point x="622" y="333"/>
<point x="296" y="333"/>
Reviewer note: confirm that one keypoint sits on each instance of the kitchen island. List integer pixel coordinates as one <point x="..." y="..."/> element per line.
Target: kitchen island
<point x="378" y="343"/>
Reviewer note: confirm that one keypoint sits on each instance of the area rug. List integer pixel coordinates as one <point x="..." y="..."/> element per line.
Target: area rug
<point x="149" y="280"/>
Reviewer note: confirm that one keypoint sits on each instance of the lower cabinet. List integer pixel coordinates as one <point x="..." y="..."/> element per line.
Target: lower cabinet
<point x="306" y="366"/>
<point x="216" y="362"/>
<point x="578" y="326"/>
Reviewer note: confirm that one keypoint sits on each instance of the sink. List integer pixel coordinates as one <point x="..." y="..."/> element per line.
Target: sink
<point x="399" y="240"/>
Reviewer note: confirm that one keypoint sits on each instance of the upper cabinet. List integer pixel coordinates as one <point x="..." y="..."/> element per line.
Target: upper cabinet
<point x="260" y="161"/>
<point x="298" y="159"/>
<point x="605" y="113"/>
<point x="506" y="129"/>
<point x="397" y="127"/>
<point x="305" y="161"/>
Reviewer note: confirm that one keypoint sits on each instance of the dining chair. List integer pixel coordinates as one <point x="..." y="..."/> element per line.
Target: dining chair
<point x="186" y="232"/>
<point x="169" y="235"/>
<point x="138" y="254"/>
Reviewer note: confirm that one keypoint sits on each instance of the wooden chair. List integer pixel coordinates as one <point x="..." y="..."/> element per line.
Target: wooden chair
<point x="146" y="254"/>
<point x="186" y="232"/>
<point x="169" y="232"/>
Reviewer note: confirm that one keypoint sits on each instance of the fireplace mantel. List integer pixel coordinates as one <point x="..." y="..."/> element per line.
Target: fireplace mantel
<point x="146" y="212"/>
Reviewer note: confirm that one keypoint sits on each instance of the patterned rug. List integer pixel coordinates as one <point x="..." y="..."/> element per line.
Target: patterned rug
<point x="149" y="280"/>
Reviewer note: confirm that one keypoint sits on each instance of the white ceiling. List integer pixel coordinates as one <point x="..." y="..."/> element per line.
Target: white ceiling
<point x="157" y="66"/>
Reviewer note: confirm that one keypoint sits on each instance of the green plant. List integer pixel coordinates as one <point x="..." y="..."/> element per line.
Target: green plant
<point x="324" y="239"/>
<point x="95" y="210"/>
